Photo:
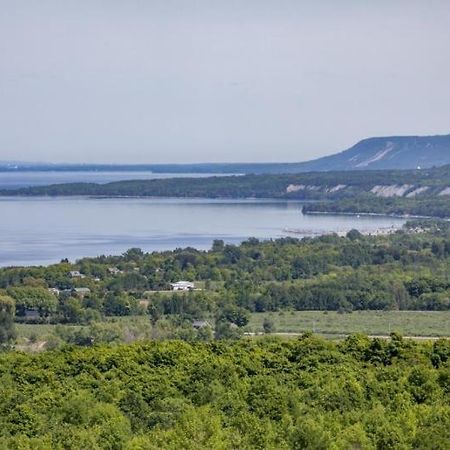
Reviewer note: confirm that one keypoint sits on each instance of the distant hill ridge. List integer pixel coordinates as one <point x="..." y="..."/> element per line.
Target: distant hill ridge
<point x="376" y="153"/>
<point x="394" y="152"/>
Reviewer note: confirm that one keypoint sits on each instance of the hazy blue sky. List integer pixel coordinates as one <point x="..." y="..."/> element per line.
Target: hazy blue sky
<point x="217" y="80"/>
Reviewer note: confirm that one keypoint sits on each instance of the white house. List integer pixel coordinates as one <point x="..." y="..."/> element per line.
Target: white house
<point x="182" y="286"/>
<point x="76" y="274"/>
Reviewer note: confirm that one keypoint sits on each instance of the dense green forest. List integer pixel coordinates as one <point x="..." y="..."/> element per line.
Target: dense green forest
<point x="405" y="270"/>
<point x="253" y="394"/>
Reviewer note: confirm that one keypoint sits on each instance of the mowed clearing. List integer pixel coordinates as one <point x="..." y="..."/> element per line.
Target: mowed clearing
<point x="377" y="323"/>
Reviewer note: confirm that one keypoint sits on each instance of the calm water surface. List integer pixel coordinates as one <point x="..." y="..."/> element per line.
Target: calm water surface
<point x="45" y="230"/>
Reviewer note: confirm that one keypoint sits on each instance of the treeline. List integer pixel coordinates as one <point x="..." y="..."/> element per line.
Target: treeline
<point x="258" y="186"/>
<point x="262" y="394"/>
<point x="428" y="206"/>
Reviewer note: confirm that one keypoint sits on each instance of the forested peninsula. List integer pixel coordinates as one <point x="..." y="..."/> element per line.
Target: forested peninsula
<point x="400" y="192"/>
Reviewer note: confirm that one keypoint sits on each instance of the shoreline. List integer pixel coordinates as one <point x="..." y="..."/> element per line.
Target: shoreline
<point x="366" y="214"/>
<point x="257" y="199"/>
<point x="376" y="232"/>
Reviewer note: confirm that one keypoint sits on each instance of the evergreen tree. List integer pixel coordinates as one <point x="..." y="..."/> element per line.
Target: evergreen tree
<point x="7" y="329"/>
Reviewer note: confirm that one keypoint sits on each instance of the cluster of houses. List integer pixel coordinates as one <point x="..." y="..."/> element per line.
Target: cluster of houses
<point x="80" y="291"/>
<point x="83" y="291"/>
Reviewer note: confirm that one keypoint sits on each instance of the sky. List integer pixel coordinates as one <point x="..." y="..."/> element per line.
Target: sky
<point x="151" y="81"/>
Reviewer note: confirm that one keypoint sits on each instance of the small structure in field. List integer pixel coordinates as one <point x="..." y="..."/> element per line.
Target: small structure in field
<point x="31" y="314"/>
<point x="198" y="324"/>
<point x="81" y="292"/>
<point x="114" y="271"/>
<point x="144" y="303"/>
<point x="182" y="286"/>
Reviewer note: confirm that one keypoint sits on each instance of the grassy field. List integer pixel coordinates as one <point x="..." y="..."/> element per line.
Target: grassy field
<point x="40" y="332"/>
<point x="33" y="331"/>
<point x="37" y="332"/>
<point x="408" y="323"/>
<point x="328" y="324"/>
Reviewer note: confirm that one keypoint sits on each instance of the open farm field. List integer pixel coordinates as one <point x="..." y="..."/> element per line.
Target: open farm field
<point x="407" y="323"/>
